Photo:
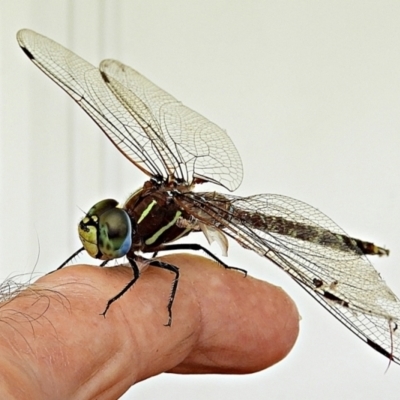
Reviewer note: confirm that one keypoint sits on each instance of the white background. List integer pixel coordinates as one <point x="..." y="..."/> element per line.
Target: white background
<point x="309" y="91"/>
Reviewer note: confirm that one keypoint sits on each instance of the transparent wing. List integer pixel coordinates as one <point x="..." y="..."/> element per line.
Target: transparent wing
<point x="316" y="253"/>
<point x="188" y="144"/>
<point x="136" y="123"/>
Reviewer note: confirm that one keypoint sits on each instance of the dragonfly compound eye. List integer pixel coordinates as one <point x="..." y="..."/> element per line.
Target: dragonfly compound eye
<point x="106" y="231"/>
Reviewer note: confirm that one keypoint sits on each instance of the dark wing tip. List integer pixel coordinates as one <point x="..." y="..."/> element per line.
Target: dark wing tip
<point x="21" y="42"/>
<point x="28" y="53"/>
<point x="105" y="77"/>
<point x="380" y="349"/>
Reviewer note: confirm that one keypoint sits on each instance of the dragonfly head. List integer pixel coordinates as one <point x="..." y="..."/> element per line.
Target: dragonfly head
<point x="106" y="231"/>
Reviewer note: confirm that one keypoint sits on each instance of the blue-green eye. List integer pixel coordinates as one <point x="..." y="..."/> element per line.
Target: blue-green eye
<point x="106" y="231"/>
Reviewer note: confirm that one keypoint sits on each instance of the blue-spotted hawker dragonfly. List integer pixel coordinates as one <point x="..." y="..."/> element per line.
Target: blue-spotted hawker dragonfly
<point x="178" y="148"/>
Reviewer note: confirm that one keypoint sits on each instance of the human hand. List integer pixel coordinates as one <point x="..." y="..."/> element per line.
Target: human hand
<point x="54" y="343"/>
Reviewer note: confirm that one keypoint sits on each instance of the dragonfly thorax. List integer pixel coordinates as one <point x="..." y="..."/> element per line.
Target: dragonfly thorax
<point x="156" y="216"/>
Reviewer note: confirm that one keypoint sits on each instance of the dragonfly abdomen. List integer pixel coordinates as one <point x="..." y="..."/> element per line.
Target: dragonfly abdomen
<point x="309" y="233"/>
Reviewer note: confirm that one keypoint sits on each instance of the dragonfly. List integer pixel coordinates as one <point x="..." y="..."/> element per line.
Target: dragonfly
<point x="177" y="149"/>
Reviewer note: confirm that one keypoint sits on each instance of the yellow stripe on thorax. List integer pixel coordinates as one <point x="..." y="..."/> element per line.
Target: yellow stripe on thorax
<point x="145" y="213"/>
<point x="154" y="238"/>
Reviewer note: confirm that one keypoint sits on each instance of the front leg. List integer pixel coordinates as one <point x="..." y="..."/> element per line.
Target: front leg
<point x="136" y="274"/>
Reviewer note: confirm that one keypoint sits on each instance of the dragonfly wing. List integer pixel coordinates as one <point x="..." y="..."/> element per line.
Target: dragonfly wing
<point x="142" y="126"/>
<point x="189" y="145"/>
<point x="316" y="253"/>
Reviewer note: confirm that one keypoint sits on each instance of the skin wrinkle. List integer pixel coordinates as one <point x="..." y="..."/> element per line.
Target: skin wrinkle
<point x="90" y="379"/>
<point x="199" y="309"/>
<point x="19" y="351"/>
<point x="13" y="369"/>
<point x="92" y="384"/>
<point x="201" y="330"/>
<point x="204" y="354"/>
<point x="133" y="330"/>
<point x="193" y="335"/>
<point x="8" y="389"/>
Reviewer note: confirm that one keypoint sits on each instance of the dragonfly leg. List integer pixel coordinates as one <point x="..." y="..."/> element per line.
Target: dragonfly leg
<point x="136" y="275"/>
<point x="198" y="247"/>
<point x="69" y="259"/>
<point x="175" y="270"/>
